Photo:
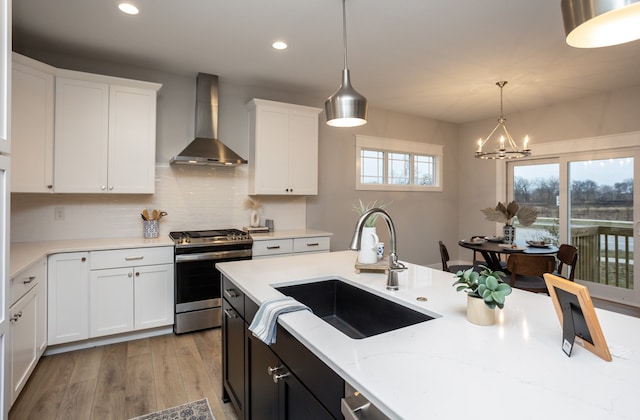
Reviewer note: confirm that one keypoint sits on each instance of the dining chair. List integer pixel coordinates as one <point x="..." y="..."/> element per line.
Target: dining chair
<point x="526" y="271"/>
<point x="567" y="255"/>
<point x="444" y="256"/>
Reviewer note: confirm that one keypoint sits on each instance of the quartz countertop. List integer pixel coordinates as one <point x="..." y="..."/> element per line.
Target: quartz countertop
<point x="22" y="254"/>
<point x="449" y="368"/>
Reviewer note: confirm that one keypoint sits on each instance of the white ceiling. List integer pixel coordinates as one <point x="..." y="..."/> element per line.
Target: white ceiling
<point x="438" y="59"/>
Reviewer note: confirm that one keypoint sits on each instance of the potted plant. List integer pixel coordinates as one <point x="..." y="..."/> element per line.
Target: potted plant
<point x="368" y="253"/>
<point x="505" y="213"/>
<point x="485" y="291"/>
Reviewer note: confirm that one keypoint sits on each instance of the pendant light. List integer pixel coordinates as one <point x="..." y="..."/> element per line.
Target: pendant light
<point x="600" y="23"/>
<point x="346" y="107"/>
<point x="506" y="148"/>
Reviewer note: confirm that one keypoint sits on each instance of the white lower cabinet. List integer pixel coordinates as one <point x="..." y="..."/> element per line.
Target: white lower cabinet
<point x="68" y="281"/>
<point x="290" y="246"/>
<point x="110" y="301"/>
<point x="130" y="289"/>
<point x="28" y="319"/>
<point x="100" y="293"/>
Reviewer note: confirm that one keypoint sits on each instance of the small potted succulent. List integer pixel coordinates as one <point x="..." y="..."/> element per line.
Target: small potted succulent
<point x="485" y="291"/>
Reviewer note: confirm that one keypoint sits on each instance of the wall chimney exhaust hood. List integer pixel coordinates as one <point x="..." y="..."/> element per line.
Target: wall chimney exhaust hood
<point x="206" y="149"/>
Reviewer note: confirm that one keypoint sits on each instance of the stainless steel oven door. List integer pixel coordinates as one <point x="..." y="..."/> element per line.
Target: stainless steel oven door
<point x="198" y="280"/>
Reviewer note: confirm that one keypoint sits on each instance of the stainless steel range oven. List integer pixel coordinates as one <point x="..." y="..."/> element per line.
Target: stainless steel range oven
<point x="197" y="281"/>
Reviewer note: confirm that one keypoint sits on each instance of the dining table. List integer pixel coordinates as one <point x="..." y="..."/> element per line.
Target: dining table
<point x="492" y="251"/>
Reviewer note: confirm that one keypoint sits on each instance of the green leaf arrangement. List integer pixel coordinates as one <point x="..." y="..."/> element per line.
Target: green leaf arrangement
<point x="487" y="284"/>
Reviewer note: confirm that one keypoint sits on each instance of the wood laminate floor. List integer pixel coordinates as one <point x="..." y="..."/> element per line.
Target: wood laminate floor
<point x="124" y="380"/>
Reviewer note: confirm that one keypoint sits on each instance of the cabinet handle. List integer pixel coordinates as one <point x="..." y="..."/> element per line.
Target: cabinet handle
<point x="277" y="377"/>
<point x="49" y="186"/>
<point x="230" y="313"/>
<point x="129" y="274"/>
<point x="134" y="257"/>
<point x="231" y="293"/>
<point x="313" y="244"/>
<point x="104" y="187"/>
<point x="15" y="317"/>
<point x="83" y="259"/>
<point x="31" y="278"/>
<point x="272" y="370"/>
<point x="137" y="274"/>
<point x="274" y="247"/>
<point x="111" y="188"/>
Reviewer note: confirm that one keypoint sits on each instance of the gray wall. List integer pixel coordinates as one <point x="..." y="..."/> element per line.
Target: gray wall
<point x="420" y="218"/>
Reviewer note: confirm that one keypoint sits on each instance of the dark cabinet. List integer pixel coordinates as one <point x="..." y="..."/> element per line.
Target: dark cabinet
<point x="281" y="381"/>
<point x="277" y="394"/>
<point x="233" y="371"/>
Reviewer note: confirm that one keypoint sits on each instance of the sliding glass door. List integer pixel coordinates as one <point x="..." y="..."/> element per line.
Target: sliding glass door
<point x="587" y="200"/>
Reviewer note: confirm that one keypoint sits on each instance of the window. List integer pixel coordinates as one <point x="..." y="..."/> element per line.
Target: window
<point x="396" y="165"/>
<point x="583" y="190"/>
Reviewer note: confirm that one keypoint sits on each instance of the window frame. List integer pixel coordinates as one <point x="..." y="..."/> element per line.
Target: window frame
<point x="400" y="146"/>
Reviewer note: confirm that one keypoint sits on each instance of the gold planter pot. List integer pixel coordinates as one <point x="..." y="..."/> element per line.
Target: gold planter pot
<point x="478" y="313"/>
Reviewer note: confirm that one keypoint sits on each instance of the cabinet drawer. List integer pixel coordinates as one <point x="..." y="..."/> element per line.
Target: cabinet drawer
<point x="131" y="257"/>
<point x="313" y="244"/>
<point x="272" y="247"/>
<point x="233" y="295"/>
<point x="25" y="281"/>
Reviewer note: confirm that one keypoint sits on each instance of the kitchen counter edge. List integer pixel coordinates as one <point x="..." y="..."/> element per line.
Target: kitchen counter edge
<point x="23" y="254"/>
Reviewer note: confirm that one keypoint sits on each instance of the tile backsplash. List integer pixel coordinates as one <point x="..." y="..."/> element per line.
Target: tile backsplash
<point x="203" y="197"/>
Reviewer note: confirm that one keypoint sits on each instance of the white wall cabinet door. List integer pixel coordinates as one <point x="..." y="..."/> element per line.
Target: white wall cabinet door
<point x="105" y="137"/>
<point x="153" y="296"/>
<point x="32" y="126"/>
<point x="68" y="291"/>
<point x="303" y="152"/>
<point x="81" y="136"/>
<point x="110" y="301"/>
<point x="283" y="148"/>
<point x="132" y="140"/>
<point x="26" y="318"/>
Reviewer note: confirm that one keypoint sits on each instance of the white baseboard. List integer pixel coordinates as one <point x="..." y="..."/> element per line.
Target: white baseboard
<point x="112" y="339"/>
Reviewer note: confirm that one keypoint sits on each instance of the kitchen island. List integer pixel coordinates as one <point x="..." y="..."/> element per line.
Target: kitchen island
<point x="447" y="367"/>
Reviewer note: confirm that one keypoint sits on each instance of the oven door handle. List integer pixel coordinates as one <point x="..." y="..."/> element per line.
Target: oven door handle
<point x="216" y="255"/>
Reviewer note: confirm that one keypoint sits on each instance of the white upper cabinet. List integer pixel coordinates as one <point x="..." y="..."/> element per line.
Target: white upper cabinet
<point x="76" y="132"/>
<point x="32" y="125"/>
<point x="283" y="148"/>
<point x="5" y="77"/>
<point x="104" y="135"/>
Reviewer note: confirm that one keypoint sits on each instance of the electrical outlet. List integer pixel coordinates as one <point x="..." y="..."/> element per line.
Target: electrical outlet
<point x="58" y="213"/>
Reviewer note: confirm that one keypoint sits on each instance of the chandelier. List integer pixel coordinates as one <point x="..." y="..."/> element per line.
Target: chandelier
<point x="506" y="147"/>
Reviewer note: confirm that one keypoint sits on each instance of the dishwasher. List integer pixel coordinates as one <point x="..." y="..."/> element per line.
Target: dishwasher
<point x="354" y="406"/>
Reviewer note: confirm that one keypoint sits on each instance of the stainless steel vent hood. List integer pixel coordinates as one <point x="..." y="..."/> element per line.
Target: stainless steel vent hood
<point x="206" y="149"/>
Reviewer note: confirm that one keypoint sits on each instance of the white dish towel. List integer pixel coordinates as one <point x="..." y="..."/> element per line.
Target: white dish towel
<point x="264" y="324"/>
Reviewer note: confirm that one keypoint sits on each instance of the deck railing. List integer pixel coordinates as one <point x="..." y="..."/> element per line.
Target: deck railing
<point x="605" y="254"/>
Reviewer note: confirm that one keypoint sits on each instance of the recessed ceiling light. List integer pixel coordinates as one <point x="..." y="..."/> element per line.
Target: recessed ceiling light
<point x="128" y="8"/>
<point x="279" y="45"/>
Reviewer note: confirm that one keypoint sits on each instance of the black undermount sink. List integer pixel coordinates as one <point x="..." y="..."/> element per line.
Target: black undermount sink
<point x="355" y="312"/>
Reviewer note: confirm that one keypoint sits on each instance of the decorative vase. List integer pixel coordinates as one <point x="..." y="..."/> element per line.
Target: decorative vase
<point x="478" y="312"/>
<point x="368" y="253"/>
<point x="509" y="232"/>
<point x="255" y="218"/>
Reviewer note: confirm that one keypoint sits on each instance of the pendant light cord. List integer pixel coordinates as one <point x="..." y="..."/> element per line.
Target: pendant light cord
<point x="344" y="32"/>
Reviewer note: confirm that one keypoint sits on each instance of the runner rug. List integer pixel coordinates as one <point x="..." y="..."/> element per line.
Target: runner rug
<point x="196" y="410"/>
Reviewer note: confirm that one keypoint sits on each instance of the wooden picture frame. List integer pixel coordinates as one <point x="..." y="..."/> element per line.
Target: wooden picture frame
<point x="573" y="299"/>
